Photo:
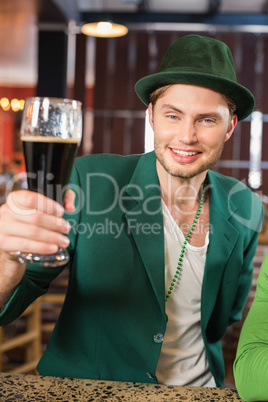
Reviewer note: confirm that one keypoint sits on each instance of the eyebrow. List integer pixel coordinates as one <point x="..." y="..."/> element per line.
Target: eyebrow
<point x="210" y="114"/>
<point x="199" y="115"/>
<point x="168" y="106"/>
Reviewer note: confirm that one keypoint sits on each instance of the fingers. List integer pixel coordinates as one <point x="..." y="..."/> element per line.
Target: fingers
<point x="24" y="202"/>
<point x="10" y="233"/>
<point x="31" y="222"/>
<point x="27" y="245"/>
<point x="34" y="218"/>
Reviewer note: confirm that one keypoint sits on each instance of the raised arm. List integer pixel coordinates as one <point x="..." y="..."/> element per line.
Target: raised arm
<point x="251" y="364"/>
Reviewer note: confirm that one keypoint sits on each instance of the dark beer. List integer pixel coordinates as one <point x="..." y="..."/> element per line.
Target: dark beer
<point x="49" y="162"/>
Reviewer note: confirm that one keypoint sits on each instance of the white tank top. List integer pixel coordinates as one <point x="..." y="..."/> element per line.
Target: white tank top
<point x="183" y="359"/>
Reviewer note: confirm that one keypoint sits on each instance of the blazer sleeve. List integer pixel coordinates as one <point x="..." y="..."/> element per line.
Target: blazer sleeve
<point x="251" y="364"/>
<point x="35" y="283"/>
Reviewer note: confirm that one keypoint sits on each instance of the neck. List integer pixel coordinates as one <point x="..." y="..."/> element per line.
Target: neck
<point x="181" y="191"/>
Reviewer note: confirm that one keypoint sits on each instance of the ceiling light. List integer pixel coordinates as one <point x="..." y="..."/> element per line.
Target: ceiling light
<point x="104" y="29"/>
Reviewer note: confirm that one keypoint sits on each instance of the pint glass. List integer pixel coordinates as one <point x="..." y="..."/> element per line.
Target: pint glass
<point x="51" y="132"/>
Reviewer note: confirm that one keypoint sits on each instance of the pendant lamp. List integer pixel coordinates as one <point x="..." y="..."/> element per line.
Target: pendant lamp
<point x="104" y="29"/>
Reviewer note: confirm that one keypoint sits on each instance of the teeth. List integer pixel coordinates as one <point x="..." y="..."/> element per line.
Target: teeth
<point x="183" y="153"/>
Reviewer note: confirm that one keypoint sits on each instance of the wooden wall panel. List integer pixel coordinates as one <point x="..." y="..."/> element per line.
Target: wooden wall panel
<point x="264" y="104"/>
<point x="245" y="141"/>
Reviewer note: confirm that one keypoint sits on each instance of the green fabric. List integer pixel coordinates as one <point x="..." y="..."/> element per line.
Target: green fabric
<point x="251" y="364"/>
<point x="115" y="302"/>
<point x="199" y="60"/>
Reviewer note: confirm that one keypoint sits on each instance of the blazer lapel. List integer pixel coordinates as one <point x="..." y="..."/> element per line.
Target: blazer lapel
<point x="145" y="222"/>
<point x="222" y="240"/>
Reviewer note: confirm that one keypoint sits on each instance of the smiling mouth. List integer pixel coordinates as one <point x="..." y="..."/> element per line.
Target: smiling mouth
<point x="184" y="153"/>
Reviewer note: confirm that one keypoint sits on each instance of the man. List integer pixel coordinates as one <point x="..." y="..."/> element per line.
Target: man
<point x="161" y="247"/>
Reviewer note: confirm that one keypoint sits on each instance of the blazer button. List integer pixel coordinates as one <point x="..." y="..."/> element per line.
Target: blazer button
<point x="158" y="338"/>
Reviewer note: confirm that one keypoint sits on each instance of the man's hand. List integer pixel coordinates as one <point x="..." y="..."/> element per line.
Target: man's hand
<point x="30" y="222"/>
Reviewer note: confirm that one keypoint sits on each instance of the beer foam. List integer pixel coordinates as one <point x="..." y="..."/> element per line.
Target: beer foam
<point x="41" y="138"/>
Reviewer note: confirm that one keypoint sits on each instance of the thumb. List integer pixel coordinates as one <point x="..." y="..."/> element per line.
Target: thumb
<point x="68" y="202"/>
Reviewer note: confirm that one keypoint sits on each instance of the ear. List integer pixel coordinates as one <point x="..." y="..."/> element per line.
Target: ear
<point x="231" y="128"/>
<point x="150" y="115"/>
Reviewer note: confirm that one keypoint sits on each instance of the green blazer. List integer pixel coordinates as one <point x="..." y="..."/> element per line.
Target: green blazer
<point x="115" y="302"/>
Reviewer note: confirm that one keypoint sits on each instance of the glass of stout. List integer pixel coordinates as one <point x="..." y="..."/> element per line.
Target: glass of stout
<point x="51" y="132"/>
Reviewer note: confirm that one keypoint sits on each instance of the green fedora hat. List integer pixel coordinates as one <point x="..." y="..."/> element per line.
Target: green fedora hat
<point x="203" y="61"/>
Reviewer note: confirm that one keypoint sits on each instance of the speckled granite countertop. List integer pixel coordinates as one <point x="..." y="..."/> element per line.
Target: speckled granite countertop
<point x="31" y="388"/>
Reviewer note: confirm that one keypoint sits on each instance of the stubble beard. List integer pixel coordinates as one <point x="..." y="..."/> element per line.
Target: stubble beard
<point x="182" y="173"/>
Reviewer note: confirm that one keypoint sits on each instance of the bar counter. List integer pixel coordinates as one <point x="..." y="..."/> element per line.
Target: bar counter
<point x="32" y="388"/>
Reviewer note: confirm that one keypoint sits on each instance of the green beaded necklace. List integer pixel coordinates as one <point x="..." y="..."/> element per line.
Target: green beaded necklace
<point x="185" y="243"/>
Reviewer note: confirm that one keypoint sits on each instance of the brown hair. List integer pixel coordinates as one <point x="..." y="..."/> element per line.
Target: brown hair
<point x="158" y="92"/>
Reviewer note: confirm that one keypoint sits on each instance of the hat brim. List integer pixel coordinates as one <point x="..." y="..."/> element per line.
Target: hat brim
<point x="243" y="98"/>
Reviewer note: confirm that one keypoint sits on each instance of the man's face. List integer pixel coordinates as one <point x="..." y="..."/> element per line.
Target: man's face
<point x="191" y="125"/>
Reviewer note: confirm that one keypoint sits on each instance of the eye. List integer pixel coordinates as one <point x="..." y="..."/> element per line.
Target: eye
<point x="172" y="117"/>
<point x="208" y="120"/>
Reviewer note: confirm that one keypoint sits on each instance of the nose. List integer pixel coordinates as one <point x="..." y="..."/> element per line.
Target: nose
<point x="187" y="132"/>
